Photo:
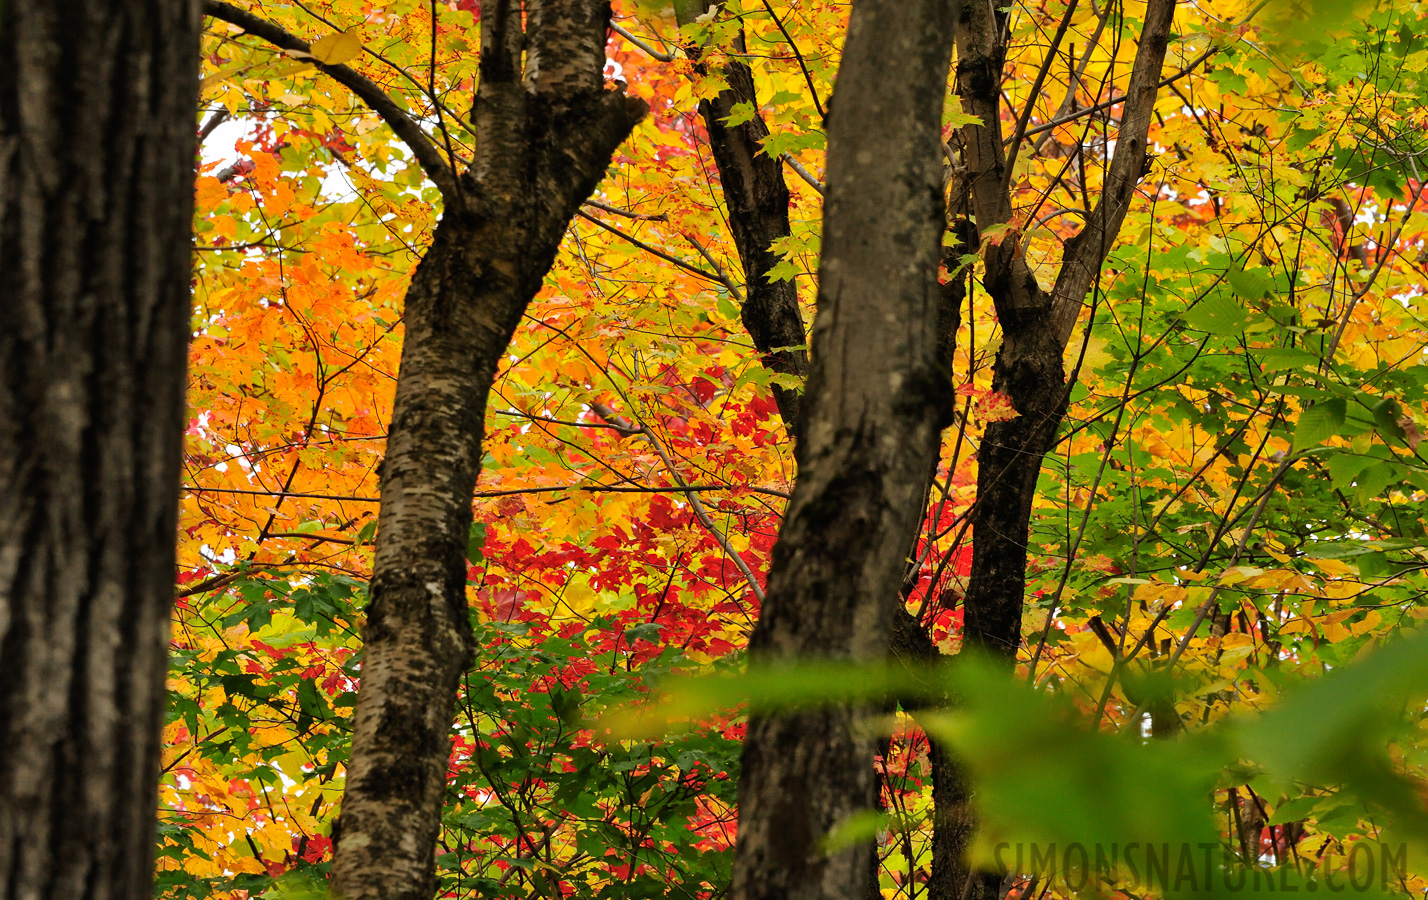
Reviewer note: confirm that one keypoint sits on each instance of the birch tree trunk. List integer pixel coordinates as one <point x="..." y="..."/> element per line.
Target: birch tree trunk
<point x="546" y="131"/>
<point x="97" y="137"/>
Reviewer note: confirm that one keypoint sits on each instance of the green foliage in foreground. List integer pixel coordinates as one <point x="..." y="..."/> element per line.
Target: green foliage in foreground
<point x="1057" y="800"/>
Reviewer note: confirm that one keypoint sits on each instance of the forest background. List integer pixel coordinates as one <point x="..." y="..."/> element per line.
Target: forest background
<point x="1233" y="503"/>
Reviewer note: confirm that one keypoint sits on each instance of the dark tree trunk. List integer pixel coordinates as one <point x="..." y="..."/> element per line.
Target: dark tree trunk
<point x="97" y="140"/>
<point x="757" y="199"/>
<point x="1036" y="324"/>
<point x="546" y="130"/>
<point x="546" y="133"/>
<point x="1036" y="327"/>
<point x="870" y="424"/>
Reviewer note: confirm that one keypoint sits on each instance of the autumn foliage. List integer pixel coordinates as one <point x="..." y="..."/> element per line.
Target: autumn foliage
<point x="1243" y="438"/>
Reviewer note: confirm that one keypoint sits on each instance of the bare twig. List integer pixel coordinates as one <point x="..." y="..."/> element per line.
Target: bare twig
<point x="803" y="173"/>
<point x="703" y="515"/>
<point x="643" y="217"/>
<point x="639" y="42"/>
<point x="723" y="276"/>
<point x="1025" y="116"/>
<point x="793" y="45"/>
<point x="218" y="118"/>
<point x="584" y="488"/>
<point x="688" y="267"/>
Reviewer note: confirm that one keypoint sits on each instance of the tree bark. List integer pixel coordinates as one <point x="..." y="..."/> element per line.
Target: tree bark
<point x="756" y="195"/>
<point x="97" y="142"/>
<point x="1036" y="327"/>
<point x="870" y="425"/>
<point x="546" y="131"/>
<point x="1036" y="324"/>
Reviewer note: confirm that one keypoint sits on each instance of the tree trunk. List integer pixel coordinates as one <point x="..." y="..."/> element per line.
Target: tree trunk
<point x="1036" y="327"/>
<point x="757" y="199"/>
<point x="97" y="142"/>
<point x="546" y="133"/>
<point x="1036" y="324"/>
<point x="870" y="424"/>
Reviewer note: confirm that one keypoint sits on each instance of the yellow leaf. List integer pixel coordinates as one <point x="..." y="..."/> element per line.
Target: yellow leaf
<point x="1236" y="574"/>
<point x="1235" y="646"/>
<point x="1334" y="567"/>
<point x="1334" y="632"/>
<point x="291" y="68"/>
<point x="1370" y="621"/>
<point x="221" y="75"/>
<point x="336" y="49"/>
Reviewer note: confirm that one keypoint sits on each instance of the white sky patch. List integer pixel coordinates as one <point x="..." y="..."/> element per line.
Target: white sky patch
<point x="221" y="148"/>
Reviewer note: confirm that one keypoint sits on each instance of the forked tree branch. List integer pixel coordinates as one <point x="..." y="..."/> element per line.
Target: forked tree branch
<point x="379" y="101"/>
<point x="1087" y="250"/>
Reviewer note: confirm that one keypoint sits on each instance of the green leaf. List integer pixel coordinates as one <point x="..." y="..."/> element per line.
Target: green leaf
<point x="1295" y="810"/>
<point x="1385" y="416"/>
<point x="1374" y="566"/>
<point x="475" y="540"/>
<point x="1024" y="750"/>
<point x="1319" y="422"/>
<point x="728" y="309"/>
<point x="1250" y="284"/>
<point x="861" y="826"/>
<point x="1375" y="479"/>
<point x="1278" y="359"/>
<point x="1337" y="729"/>
<point x="1345" y="467"/>
<point x="740" y="113"/>
<point x="1217" y="314"/>
<point x="310" y="701"/>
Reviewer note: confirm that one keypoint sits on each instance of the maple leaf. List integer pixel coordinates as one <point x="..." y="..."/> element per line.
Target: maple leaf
<point x="995" y="407"/>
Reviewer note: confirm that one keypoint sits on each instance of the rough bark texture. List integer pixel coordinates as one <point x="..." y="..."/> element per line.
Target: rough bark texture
<point x="1036" y="324"/>
<point x="546" y="133"/>
<point x="870" y="424"/>
<point x="756" y="196"/>
<point x="1036" y="327"/>
<point x="97" y="139"/>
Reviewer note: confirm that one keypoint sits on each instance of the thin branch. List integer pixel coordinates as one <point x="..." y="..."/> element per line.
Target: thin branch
<point x="316" y="538"/>
<point x="1211" y="601"/>
<point x="703" y="515"/>
<point x="406" y="128"/>
<point x="807" y="76"/>
<point x="1369" y="281"/>
<point x="803" y="173"/>
<point x="1087" y="251"/>
<point x="585" y="488"/>
<point x="218" y="118"/>
<point x="723" y="276"/>
<point x="688" y="267"/>
<point x="662" y="57"/>
<point x="1119" y="98"/>
<point x="1025" y="116"/>
<point x="642" y="217"/>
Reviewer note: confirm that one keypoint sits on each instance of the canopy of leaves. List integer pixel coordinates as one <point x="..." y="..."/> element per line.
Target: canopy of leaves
<point x="1235" y="505"/>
